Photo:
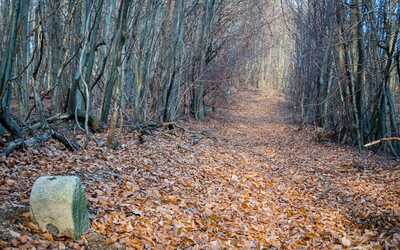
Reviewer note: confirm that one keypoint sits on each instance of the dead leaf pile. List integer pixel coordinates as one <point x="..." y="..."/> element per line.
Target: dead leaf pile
<point x="246" y="178"/>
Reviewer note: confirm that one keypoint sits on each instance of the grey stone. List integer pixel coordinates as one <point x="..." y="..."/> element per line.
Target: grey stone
<point x="58" y="204"/>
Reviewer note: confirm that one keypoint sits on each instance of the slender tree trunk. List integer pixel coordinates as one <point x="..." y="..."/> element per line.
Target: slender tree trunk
<point x="6" y="69"/>
<point x="116" y="60"/>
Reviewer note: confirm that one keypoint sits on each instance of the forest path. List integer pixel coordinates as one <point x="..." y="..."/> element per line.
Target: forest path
<point x="245" y="178"/>
<point x="293" y="191"/>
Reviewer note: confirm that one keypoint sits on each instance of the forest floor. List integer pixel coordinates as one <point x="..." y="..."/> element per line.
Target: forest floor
<point x="246" y="178"/>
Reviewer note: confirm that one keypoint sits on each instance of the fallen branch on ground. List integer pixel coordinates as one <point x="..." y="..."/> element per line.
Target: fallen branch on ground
<point x="39" y="139"/>
<point x="381" y="140"/>
<point x="57" y="117"/>
<point x="69" y="143"/>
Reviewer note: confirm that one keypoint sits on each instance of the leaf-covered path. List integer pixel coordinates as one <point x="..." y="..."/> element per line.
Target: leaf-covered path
<point x="244" y="179"/>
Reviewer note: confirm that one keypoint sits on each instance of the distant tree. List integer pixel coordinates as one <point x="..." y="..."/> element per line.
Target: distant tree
<point x="109" y="64"/>
<point x="343" y="70"/>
